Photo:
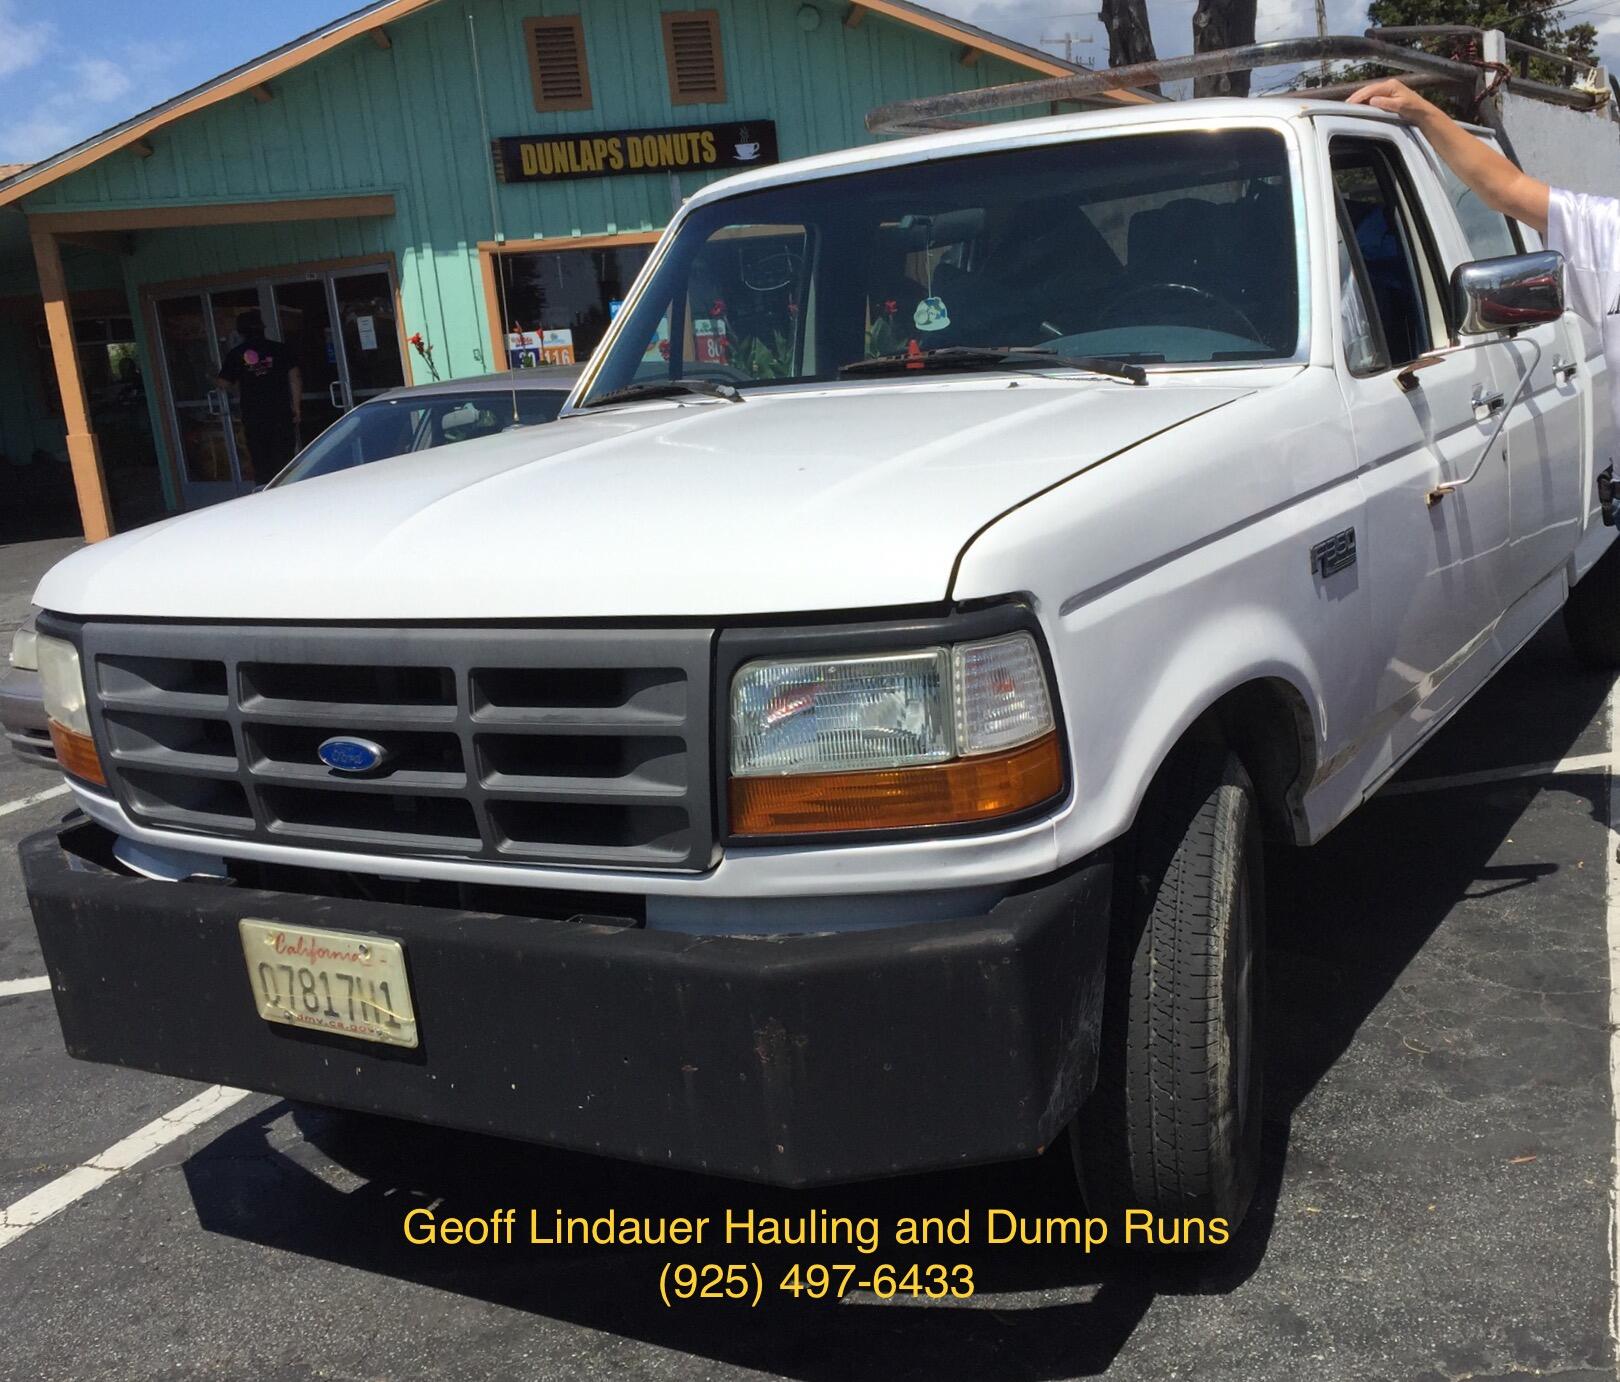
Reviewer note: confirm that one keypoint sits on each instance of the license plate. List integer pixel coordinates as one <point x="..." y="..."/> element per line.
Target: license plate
<point x="330" y="981"/>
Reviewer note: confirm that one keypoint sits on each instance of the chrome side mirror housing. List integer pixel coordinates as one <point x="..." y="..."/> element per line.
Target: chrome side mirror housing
<point x="1506" y="293"/>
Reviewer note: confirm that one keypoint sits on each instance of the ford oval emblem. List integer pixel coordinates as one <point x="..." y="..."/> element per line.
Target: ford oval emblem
<point x="345" y="753"/>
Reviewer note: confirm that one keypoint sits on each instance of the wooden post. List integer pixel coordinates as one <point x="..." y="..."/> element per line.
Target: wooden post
<point x="84" y="453"/>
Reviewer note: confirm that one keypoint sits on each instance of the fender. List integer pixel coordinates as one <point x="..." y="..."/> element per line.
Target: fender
<point x="1182" y="570"/>
<point x="1243" y="646"/>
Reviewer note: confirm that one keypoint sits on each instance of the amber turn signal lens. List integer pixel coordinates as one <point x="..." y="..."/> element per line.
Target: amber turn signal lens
<point x="964" y="790"/>
<point x="77" y="754"/>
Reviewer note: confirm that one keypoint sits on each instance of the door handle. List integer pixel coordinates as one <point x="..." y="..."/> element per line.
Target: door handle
<point x="216" y="403"/>
<point x="1486" y="404"/>
<point x="334" y="391"/>
<point x="1564" y="370"/>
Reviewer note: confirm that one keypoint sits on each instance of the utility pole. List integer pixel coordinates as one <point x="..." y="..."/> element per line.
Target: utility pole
<point x="1069" y="38"/>
<point x="1130" y="37"/>
<point x="1223" y="24"/>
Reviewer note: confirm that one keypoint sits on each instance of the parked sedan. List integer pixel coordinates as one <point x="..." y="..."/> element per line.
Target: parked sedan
<point x="431" y="415"/>
<point x="392" y="424"/>
<point x="22" y="709"/>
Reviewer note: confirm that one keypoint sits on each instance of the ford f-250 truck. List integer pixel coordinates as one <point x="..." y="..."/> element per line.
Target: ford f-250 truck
<point x="844" y="743"/>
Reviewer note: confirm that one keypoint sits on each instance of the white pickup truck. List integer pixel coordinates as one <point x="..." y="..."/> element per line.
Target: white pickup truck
<point x="843" y="744"/>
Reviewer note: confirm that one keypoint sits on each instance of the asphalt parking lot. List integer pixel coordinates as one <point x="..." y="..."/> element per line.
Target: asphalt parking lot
<point x="1436" y="1203"/>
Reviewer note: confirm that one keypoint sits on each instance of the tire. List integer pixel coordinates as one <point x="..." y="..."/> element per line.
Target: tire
<point x="1592" y="613"/>
<point x="1173" y="1125"/>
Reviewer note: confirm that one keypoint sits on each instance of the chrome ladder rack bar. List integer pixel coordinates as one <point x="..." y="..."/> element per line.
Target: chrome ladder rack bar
<point x="929" y="114"/>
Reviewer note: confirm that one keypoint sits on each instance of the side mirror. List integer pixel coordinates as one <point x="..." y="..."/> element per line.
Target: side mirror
<point x="1507" y="293"/>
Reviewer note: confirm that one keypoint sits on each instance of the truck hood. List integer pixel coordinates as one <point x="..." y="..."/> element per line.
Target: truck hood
<point x="840" y="498"/>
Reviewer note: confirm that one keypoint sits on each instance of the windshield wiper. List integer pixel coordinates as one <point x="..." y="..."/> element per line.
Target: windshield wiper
<point x="667" y="388"/>
<point x="996" y="357"/>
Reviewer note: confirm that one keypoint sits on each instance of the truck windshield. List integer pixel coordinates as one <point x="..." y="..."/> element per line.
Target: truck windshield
<point x="1172" y="248"/>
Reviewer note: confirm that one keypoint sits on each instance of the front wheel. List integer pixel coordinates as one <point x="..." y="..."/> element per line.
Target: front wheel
<point x="1173" y="1126"/>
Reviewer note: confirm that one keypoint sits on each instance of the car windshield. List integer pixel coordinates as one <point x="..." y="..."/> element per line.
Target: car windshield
<point x="388" y="427"/>
<point x="1162" y="248"/>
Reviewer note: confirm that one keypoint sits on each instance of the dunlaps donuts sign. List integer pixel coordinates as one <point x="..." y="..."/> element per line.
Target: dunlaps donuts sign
<point x="611" y="153"/>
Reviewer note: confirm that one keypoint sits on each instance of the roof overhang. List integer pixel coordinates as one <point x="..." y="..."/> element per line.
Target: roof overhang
<point x="236" y="82"/>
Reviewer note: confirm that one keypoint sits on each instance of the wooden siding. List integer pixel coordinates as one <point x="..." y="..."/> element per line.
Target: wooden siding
<point x="405" y="120"/>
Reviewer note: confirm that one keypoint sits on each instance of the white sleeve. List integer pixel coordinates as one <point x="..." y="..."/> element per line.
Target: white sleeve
<point x="1585" y="229"/>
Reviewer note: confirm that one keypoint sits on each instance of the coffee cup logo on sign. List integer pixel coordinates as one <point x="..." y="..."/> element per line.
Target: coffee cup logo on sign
<point x="747" y="149"/>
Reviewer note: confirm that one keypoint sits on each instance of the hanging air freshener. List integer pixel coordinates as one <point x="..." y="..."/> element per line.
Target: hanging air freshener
<point x="931" y="315"/>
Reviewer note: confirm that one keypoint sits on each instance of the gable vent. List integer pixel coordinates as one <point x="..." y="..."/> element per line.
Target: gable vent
<point x="697" y="72"/>
<point x="556" y="49"/>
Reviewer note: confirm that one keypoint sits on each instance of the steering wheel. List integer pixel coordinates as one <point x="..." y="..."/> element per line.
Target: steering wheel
<point x="1221" y="308"/>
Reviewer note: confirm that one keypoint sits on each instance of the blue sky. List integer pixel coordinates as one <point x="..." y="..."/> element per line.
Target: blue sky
<point x="70" y="68"/>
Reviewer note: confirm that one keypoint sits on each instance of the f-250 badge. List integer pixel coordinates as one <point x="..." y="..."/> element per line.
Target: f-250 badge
<point x="1334" y="554"/>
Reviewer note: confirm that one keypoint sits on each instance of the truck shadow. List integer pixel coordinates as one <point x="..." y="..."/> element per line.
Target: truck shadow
<point x="1348" y="919"/>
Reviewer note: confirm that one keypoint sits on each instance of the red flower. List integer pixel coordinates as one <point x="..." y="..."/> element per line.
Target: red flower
<point x="416" y="339"/>
<point x="719" y="308"/>
<point x="891" y="307"/>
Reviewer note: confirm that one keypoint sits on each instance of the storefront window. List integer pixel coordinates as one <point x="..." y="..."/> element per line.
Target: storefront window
<point x="745" y="305"/>
<point x="558" y="303"/>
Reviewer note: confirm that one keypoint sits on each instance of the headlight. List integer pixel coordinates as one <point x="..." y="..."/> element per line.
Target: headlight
<point x="934" y="736"/>
<point x="61" y="681"/>
<point x="23" y="655"/>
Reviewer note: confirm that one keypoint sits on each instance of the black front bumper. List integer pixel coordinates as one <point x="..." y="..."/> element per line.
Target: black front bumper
<point x="796" y="1061"/>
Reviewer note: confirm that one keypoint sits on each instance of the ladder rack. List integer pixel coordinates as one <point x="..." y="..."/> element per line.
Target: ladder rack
<point x="928" y="114"/>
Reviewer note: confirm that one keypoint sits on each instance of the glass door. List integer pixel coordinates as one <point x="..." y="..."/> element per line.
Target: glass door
<point x="304" y="321"/>
<point x="196" y="329"/>
<point x="342" y="329"/>
<point x="370" y="336"/>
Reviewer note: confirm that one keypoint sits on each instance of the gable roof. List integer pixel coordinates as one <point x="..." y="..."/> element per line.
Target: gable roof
<point x="19" y="179"/>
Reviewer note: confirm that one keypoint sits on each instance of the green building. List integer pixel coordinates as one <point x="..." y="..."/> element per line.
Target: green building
<point x="484" y="178"/>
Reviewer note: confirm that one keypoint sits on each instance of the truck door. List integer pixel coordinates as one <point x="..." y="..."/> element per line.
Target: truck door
<point x="1438" y="572"/>
<point x="1547" y="433"/>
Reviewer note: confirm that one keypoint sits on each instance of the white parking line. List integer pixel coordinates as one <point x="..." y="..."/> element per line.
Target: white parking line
<point x="1581" y="763"/>
<point x="23" y="803"/>
<point x="33" y="1210"/>
<point x="37" y="984"/>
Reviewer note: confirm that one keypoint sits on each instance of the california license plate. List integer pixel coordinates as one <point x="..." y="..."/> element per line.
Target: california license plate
<point x="330" y="981"/>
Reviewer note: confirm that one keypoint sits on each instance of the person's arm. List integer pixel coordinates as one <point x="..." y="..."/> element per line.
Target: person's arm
<point x="1496" y="180"/>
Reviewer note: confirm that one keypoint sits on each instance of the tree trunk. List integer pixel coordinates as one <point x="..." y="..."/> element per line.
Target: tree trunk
<point x="1130" y="40"/>
<point x="1222" y="24"/>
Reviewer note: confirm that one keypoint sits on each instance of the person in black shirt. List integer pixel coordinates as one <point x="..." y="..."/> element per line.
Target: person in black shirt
<point x="269" y="390"/>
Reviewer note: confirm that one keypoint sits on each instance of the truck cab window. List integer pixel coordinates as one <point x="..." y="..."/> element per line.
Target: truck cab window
<point x="1489" y="233"/>
<point x="1392" y="245"/>
<point x="1362" y="351"/>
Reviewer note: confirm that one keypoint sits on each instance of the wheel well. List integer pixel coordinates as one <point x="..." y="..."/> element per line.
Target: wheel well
<point x="1268" y="725"/>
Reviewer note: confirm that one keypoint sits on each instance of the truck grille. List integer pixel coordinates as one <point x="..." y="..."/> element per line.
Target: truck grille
<point x="561" y="746"/>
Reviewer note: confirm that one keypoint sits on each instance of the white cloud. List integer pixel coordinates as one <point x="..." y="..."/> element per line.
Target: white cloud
<point x="21" y="44"/>
<point x="102" y="80"/>
<point x="74" y="96"/>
